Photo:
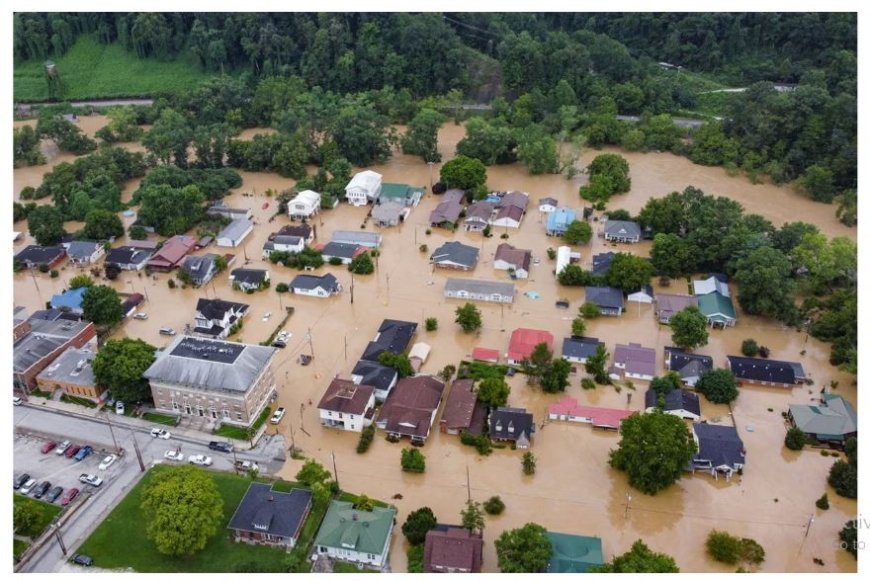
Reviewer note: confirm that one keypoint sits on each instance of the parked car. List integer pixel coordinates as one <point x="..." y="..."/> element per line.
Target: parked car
<point x="17" y="400"/>
<point x="72" y="451"/>
<point x="48" y="447"/>
<point x="140" y="316"/>
<point x="83" y="560"/>
<point x="167" y="331"/>
<point x="278" y="415"/>
<point x="221" y="446"/>
<point x="200" y="460"/>
<point x="53" y="494"/>
<point x="158" y="433"/>
<point x="246" y="465"/>
<point x="91" y="479"/>
<point x="174" y="456"/>
<point x="61" y="448"/>
<point x="108" y="461"/>
<point x="40" y="490"/>
<point x="119" y="408"/>
<point x="28" y="486"/>
<point x="83" y="453"/>
<point x="69" y="496"/>
<point x="19" y="482"/>
<point x="267" y="316"/>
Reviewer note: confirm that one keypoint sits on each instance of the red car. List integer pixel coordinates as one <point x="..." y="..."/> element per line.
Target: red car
<point x="72" y="451"/>
<point x="68" y="496"/>
<point x="48" y="447"/>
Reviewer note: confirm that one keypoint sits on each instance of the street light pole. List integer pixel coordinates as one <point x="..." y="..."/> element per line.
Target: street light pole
<point x="430" y="164"/>
<point x="112" y="432"/>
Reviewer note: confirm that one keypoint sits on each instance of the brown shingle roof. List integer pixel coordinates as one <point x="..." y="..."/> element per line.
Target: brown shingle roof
<point x="173" y="250"/>
<point x="513" y="212"/>
<point x="460" y="405"/>
<point x="346" y="397"/>
<point x="517" y="257"/>
<point x="409" y="406"/>
<point x="452" y="548"/>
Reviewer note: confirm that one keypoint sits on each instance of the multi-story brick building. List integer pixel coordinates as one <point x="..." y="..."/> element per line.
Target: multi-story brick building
<point x="42" y="341"/>
<point x="72" y="372"/>
<point x="209" y="378"/>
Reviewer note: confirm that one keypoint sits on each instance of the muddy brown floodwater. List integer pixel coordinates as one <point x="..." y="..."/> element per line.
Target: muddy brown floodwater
<point x="573" y="490"/>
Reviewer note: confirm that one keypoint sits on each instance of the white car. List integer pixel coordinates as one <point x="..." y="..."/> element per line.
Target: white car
<point x="174" y="456"/>
<point x="61" y="448"/>
<point x="200" y="460"/>
<point x="141" y="316"/>
<point x="27" y="486"/>
<point x="119" y="408"/>
<point x="91" y="479"/>
<point x="17" y="400"/>
<point x="158" y="433"/>
<point x="278" y="415"/>
<point x="108" y="461"/>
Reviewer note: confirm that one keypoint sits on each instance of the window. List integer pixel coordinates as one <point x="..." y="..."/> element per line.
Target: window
<point x="174" y="405"/>
<point x="239" y="416"/>
<point x="226" y="413"/>
<point x="187" y="409"/>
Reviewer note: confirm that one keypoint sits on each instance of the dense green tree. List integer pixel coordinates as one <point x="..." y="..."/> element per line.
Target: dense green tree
<point x="765" y="283"/>
<point x="169" y="210"/>
<point x="25" y="515"/>
<point x="578" y="326"/>
<point x="613" y="166"/>
<point x="640" y="559"/>
<point x="718" y="386"/>
<point x="81" y="280"/>
<point x="790" y="235"/>
<point x="555" y="376"/>
<point x="795" y="438"/>
<point x="849" y="538"/>
<point x="490" y="143"/>
<point x="578" y="232"/>
<point x="422" y="135"/>
<point x="689" y="328"/>
<point x="749" y="347"/>
<point x="472" y="517"/>
<point x="21" y="211"/>
<point x="596" y="365"/>
<point x="670" y="256"/>
<point x="653" y="451"/>
<point x="413" y="460"/>
<point x="418" y="523"/>
<point x="599" y="189"/>
<point x="398" y="361"/>
<point x="468" y="317"/>
<point x="818" y="182"/>
<point x="538" y="153"/>
<point x="102" y="225"/>
<point x="843" y="478"/>
<point x="590" y="311"/>
<point x="25" y="147"/>
<point x="65" y="134"/>
<point x="493" y="392"/>
<point x="362" y="264"/>
<point x="629" y="272"/>
<point x="463" y="172"/>
<point x="731" y="550"/>
<point x="312" y="472"/>
<point x="711" y="146"/>
<point x="666" y="383"/>
<point x="102" y="305"/>
<point x="362" y="134"/>
<point x="169" y="138"/>
<point x="183" y="510"/>
<point x="664" y="215"/>
<point x="119" y="365"/>
<point x="529" y="463"/>
<point x="494" y="505"/>
<point x="523" y="550"/>
<point x="45" y="224"/>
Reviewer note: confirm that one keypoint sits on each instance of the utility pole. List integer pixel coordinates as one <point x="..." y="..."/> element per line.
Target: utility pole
<point x="627" y="505"/>
<point x="388" y="285"/>
<point x="138" y="453"/>
<point x="292" y="438"/>
<point x="345" y="347"/>
<point x="806" y="533"/>
<point x="468" y="482"/>
<point x="112" y="432"/>
<point x="59" y="539"/>
<point x="351" y="288"/>
<point x="310" y="343"/>
<point x="335" y="471"/>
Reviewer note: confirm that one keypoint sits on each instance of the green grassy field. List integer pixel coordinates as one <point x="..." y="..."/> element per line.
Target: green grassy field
<point x="47" y="513"/>
<point x="237" y="433"/>
<point x="120" y="542"/>
<point x="90" y="70"/>
<point x="18" y="547"/>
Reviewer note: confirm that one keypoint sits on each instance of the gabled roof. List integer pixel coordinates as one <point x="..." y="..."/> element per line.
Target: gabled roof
<point x="605" y="297"/>
<point x="637" y="359"/>
<point x="267" y="511"/>
<point x="378" y="376"/>
<point x="445" y="211"/>
<point x="715" y="304"/>
<point x="460" y="405"/>
<point x="514" y="213"/>
<point x="286" y="240"/>
<point x="174" y="249"/>
<point x="82" y="248"/>
<point x="719" y="445"/>
<point x="306" y="197"/>
<point x="579" y="347"/>
<point x="216" y="309"/>
<point x="675" y="400"/>
<point x="345" y="528"/>
<point x="710" y="285"/>
<point x="645" y="290"/>
<point x="409" y="407"/>
<point x="357" y="237"/>
<point x="516" y="257"/>
<point x="668" y="304"/>
<point x="600" y="417"/>
<point x="342" y="250"/>
<point x="310" y="282"/>
<point x="502" y="419"/>
<point x="347" y="397"/>
<point x="484" y="354"/>
<point x="397" y="191"/>
<point x="249" y="275"/>
<point x="388" y="211"/>
<point x="622" y="228"/>
<point x="480" y="210"/>
<point x="756" y="369"/>
<point x="392" y="336"/>
<point x="548" y="202"/>
<point x="453" y="195"/>
<point x="301" y="230"/>
<point x="516" y="199"/>
<point x="198" y="267"/>
<point x="835" y="416"/>
<point x="127" y="255"/>
<point x="71" y="299"/>
<point x="574" y="553"/>
<point x="368" y="180"/>
<point x="236" y="230"/>
<point x="688" y="364"/>
<point x="523" y="342"/>
<point x="40" y="254"/>
<point x="561" y="218"/>
<point x="480" y="286"/>
<point x="453" y="548"/>
<point x="456" y="252"/>
<point x="601" y="263"/>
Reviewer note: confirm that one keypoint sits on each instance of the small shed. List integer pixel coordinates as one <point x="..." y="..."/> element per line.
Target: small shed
<point x="419" y="354"/>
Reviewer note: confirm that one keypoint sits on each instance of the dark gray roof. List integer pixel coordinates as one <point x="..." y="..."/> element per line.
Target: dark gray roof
<point x="286" y="240"/>
<point x="127" y="255"/>
<point x="392" y="336"/>
<point x="622" y="228"/>
<point x="456" y="252"/>
<point x="249" y="275"/>
<point x="755" y="369"/>
<point x="522" y="422"/>
<point x="210" y="364"/>
<point x="82" y="248"/>
<point x="601" y="263"/>
<point x="579" y="347"/>
<point x="236" y="230"/>
<point x="719" y="445"/>
<point x="378" y="376"/>
<point x="676" y="400"/>
<point x="310" y="282"/>
<point x="301" y="230"/>
<point x="447" y="210"/>
<point x="267" y="511"/>
<point x="549" y="201"/>
<point x="39" y="254"/>
<point x="681" y="359"/>
<point x="199" y="267"/>
<point x="480" y="286"/>
<point x="45" y="336"/>
<point x="216" y="309"/>
<point x="340" y="249"/>
<point x="73" y="366"/>
<point x="605" y="297"/>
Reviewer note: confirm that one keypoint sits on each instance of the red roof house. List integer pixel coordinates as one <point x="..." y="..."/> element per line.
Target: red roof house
<point x="523" y="342"/>
<point x="483" y="354"/>
<point x="171" y="253"/>
<point x="568" y="409"/>
<point x="452" y="549"/>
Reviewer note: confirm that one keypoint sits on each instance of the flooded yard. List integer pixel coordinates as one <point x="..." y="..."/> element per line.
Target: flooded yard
<point x="573" y="490"/>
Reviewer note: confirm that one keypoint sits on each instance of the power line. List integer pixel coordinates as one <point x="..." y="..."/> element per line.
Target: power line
<point x="460" y="23"/>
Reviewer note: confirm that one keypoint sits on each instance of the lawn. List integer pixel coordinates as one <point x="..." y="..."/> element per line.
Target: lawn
<point x="18" y="547"/>
<point x="479" y="370"/>
<point x="238" y="433"/>
<point x="160" y="418"/>
<point x="92" y="70"/>
<point x="47" y="513"/>
<point x="120" y="542"/>
<point x="340" y="567"/>
<point x="83" y="401"/>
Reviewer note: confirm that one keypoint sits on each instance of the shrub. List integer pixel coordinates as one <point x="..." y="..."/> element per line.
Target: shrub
<point x="424" y="248"/>
<point x="730" y="550"/>
<point x="795" y="439"/>
<point x="494" y="505"/>
<point x="413" y="460"/>
<point x="428" y="231"/>
<point x="529" y="463"/>
<point x="171" y="283"/>
<point x="551" y="253"/>
<point x="749" y="348"/>
<point x="763" y="352"/>
<point x="482" y="443"/>
<point x="43" y="267"/>
<point x="431" y="324"/>
<point x="334" y="260"/>
<point x="587" y="383"/>
<point x="487" y="231"/>
<point x="843" y="478"/>
<point x="282" y="287"/>
<point x="54" y="273"/>
<point x="365" y="439"/>
<point x="590" y="311"/>
<point x="822" y="503"/>
<point x="505" y="236"/>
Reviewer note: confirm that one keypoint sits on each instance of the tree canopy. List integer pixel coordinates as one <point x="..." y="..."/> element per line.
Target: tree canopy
<point x="418" y="523"/>
<point x="468" y="317"/>
<point x="689" y="328"/>
<point x="526" y="549"/>
<point x="493" y="392"/>
<point x="102" y="305"/>
<point x="119" y="367"/>
<point x="718" y="386"/>
<point x="463" y="172"/>
<point x="640" y="559"/>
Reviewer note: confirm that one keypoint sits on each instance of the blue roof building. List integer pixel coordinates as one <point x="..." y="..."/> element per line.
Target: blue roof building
<point x="70" y="300"/>
<point x="559" y="220"/>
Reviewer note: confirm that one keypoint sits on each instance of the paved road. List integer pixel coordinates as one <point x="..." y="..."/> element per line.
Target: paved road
<point x="64" y="425"/>
<point x="94" y="103"/>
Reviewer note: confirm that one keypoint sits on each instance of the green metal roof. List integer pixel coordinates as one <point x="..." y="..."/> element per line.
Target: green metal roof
<point x="574" y="553"/>
<point x="716" y="306"/>
<point x="344" y="527"/>
<point x="398" y="190"/>
<point x="831" y="421"/>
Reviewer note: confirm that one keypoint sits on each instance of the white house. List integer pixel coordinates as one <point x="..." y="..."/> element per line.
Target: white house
<point x="363" y="188"/>
<point x="677" y="402"/>
<point x="347" y="406"/>
<point x="645" y="295"/>
<point x="283" y="244"/>
<point x="215" y="318"/>
<point x="564" y="257"/>
<point x="82" y="252"/>
<point x="315" y="286"/>
<point x="304" y="205"/>
<point x="547" y="205"/>
<point x="356" y="536"/>
<point x="234" y="233"/>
